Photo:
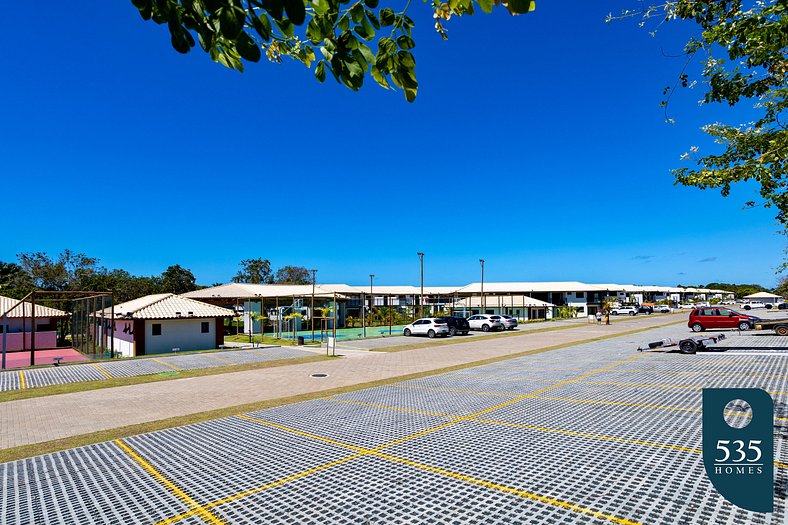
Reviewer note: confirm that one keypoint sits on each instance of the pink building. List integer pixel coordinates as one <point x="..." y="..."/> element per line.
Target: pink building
<point x="19" y="321"/>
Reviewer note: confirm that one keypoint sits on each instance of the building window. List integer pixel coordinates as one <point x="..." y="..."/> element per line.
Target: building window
<point x="205" y="327"/>
<point x="156" y="329"/>
<point x="580" y="295"/>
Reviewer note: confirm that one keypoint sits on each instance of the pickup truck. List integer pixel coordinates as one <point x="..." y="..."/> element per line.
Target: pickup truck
<point x="780" y="326"/>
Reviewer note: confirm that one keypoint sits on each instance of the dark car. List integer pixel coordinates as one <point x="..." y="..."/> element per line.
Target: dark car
<point x="712" y="317"/>
<point x="457" y="325"/>
<point x="782" y="306"/>
<point x="645" y="309"/>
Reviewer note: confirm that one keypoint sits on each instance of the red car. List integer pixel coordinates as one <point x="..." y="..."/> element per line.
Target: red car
<point x="710" y="318"/>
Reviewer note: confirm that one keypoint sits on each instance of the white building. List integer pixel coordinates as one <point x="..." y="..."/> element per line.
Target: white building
<point x="161" y="323"/>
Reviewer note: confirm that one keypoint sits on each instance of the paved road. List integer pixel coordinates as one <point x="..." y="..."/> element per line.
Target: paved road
<point x="593" y="433"/>
<point x="48" y="418"/>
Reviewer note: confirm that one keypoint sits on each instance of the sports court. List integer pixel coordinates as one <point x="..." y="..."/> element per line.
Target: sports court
<point x="592" y="433"/>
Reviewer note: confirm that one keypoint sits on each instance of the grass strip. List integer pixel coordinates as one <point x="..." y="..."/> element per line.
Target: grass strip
<point x="47" y="447"/>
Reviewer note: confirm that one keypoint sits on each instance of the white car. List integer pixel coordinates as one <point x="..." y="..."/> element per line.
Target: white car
<point x="753" y="304"/>
<point x="429" y="326"/>
<point x="662" y="308"/>
<point x="686" y="307"/>
<point x="624" y="310"/>
<point x="485" y="322"/>
<point x="508" y="322"/>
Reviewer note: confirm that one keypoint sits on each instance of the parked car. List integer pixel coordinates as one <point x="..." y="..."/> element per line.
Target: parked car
<point x="662" y="309"/>
<point x="782" y="306"/>
<point x="485" y="322"/>
<point x="753" y="304"/>
<point x="645" y="309"/>
<point x="624" y="310"/>
<point x="686" y="306"/>
<point x="430" y="327"/>
<point x="457" y="325"/>
<point x="509" y="322"/>
<point x="702" y="319"/>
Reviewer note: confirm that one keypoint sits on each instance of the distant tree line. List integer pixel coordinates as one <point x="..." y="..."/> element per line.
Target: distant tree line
<point x="741" y="290"/>
<point x="72" y="271"/>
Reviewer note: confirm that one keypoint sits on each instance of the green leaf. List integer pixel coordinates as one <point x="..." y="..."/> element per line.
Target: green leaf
<point x="344" y="23"/>
<point x="296" y="11"/>
<point x="365" y="30"/>
<point x="231" y="21"/>
<point x="320" y="71"/>
<point x="247" y="48"/>
<point x="372" y="4"/>
<point x="372" y="18"/>
<point x="321" y="7"/>
<point x="486" y="5"/>
<point x="379" y="77"/>
<point x="387" y="17"/>
<point x="405" y="42"/>
<point x="518" y="7"/>
<point x="357" y="13"/>
<point x="275" y="8"/>
<point x="262" y="25"/>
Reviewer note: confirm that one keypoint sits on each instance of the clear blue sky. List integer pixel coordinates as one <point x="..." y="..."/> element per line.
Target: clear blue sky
<point x="536" y="143"/>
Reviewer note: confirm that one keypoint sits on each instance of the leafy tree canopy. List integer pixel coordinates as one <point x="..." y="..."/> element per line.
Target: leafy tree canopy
<point x="293" y="275"/>
<point x="337" y="35"/>
<point x="177" y="279"/>
<point x="742" y="50"/>
<point x="740" y="290"/>
<point x="255" y="271"/>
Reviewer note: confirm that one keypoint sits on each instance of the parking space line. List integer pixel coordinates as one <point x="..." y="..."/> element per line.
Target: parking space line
<point x="458" y="476"/>
<point x="165" y="363"/>
<point x="456" y="390"/>
<point x="354" y="347"/>
<point x="22" y="384"/>
<point x="199" y="510"/>
<point x="101" y="369"/>
<point x="219" y="358"/>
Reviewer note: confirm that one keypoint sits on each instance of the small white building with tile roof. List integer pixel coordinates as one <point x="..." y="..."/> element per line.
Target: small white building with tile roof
<point x="161" y="323"/>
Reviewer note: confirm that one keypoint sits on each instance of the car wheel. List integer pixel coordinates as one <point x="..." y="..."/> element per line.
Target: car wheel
<point x="781" y="330"/>
<point x="485" y="328"/>
<point x="406" y="332"/>
<point x="768" y="306"/>
<point x="452" y="331"/>
<point x="465" y="333"/>
<point x="688" y="347"/>
<point x="747" y="307"/>
<point x="697" y="327"/>
<point x="431" y="334"/>
<point x="631" y="313"/>
<point x="744" y="326"/>
<point x="614" y="312"/>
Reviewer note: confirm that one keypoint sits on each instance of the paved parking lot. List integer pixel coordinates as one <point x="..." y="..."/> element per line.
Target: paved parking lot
<point x="593" y="433"/>
<point x="57" y="375"/>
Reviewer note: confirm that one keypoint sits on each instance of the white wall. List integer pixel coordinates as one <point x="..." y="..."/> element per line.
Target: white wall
<point x="179" y="333"/>
<point x="123" y="336"/>
<point x="578" y="302"/>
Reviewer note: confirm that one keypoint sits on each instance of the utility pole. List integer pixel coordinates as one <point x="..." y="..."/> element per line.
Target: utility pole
<point x="421" y="271"/>
<point x="312" y="311"/>
<point x="483" y="304"/>
<point x="371" y="298"/>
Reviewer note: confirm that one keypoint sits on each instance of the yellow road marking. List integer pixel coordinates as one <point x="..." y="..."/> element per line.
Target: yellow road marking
<point x="165" y="363"/>
<point x="198" y="509"/>
<point x="509" y="490"/>
<point x="219" y="358"/>
<point x="437" y="470"/>
<point x="22" y="383"/>
<point x="101" y="369"/>
<point x="353" y="347"/>
<point x="457" y="390"/>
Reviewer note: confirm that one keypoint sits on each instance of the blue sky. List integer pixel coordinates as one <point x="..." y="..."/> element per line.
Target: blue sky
<point x="536" y="143"/>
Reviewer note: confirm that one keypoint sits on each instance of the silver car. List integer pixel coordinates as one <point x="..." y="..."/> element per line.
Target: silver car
<point x="485" y="322"/>
<point x="429" y="326"/>
<point x="509" y="322"/>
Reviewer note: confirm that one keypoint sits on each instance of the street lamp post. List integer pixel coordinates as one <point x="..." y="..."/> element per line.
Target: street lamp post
<point x="421" y="271"/>
<point x="483" y="305"/>
<point x="371" y="300"/>
<point x="312" y="311"/>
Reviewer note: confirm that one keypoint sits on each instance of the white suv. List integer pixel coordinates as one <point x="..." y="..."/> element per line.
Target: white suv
<point x="753" y="304"/>
<point x="624" y="310"/>
<point x="485" y="322"/>
<point x="430" y="327"/>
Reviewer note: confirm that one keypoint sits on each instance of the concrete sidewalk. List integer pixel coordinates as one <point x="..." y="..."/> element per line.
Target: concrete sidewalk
<point x="48" y="418"/>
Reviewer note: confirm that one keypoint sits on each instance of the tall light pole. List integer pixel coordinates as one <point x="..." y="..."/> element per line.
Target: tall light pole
<point x="371" y="300"/>
<point x="483" y="305"/>
<point x="312" y="311"/>
<point x="421" y="271"/>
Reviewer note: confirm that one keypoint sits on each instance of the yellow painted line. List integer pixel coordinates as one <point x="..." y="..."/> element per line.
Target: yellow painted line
<point x="302" y="433"/>
<point x="509" y="490"/>
<point x="353" y="347"/>
<point x="101" y="369"/>
<point x="165" y="363"/>
<point x="457" y="390"/>
<point x="198" y="509"/>
<point x="219" y="358"/>
<point x="388" y="407"/>
<point x="22" y="383"/>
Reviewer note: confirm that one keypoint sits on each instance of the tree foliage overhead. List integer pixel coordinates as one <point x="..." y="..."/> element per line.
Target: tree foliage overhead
<point x="337" y="35"/>
<point x="742" y="48"/>
<point x="293" y="275"/>
<point x="254" y="271"/>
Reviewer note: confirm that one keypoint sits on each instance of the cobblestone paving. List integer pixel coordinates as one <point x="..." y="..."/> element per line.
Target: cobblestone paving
<point x="38" y="377"/>
<point x="593" y="433"/>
